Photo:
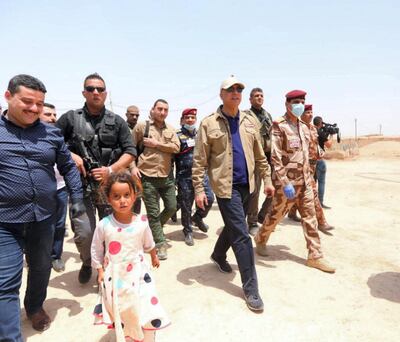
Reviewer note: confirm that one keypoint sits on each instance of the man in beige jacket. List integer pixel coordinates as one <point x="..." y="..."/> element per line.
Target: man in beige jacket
<point x="228" y="147"/>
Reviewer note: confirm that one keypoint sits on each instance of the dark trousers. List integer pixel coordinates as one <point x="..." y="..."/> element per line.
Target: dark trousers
<point x="36" y="240"/>
<point x="61" y="215"/>
<point x="185" y="200"/>
<point x="153" y="189"/>
<point x="235" y="235"/>
<point x="84" y="226"/>
<point x="320" y="177"/>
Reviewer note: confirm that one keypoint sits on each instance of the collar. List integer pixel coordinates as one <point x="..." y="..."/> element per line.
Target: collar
<point x="86" y="110"/>
<point x="5" y="119"/>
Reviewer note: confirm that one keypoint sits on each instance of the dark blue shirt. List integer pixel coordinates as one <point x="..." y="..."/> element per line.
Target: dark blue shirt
<point x="27" y="182"/>
<point x="240" y="175"/>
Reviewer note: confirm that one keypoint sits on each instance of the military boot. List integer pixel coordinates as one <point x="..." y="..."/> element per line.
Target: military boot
<point x="321" y="264"/>
<point x="293" y="216"/>
<point x="198" y="221"/>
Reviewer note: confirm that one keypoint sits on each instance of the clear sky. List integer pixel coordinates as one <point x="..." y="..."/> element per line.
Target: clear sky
<point x="345" y="54"/>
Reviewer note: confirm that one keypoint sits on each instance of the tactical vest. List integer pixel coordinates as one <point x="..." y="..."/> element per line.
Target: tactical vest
<point x="103" y="144"/>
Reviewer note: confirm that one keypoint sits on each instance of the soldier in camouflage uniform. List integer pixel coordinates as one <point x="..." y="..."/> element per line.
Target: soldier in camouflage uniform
<point x="292" y="180"/>
<point x="265" y="121"/>
<point x="183" y="162"/>
<point x="315" y="153"/>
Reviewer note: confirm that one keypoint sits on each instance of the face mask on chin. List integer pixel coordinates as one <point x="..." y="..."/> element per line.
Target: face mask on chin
<point x="190" y="128"/>
<point x="297" y="109"/>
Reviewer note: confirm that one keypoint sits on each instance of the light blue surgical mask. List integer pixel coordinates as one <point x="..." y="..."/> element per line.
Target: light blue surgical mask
<point x="190" y="128"/>
<point x="297" y="109"/>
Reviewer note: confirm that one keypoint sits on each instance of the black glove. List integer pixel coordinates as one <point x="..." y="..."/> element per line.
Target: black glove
<point x="77" y="208"/>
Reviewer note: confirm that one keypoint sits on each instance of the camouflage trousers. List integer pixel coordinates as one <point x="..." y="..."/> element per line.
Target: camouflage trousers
<point x="318" y="209"/>
<point x="304" y="200"/>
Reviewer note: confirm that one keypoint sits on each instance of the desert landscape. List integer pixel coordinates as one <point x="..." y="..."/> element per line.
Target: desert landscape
<point x="360" y="302"/>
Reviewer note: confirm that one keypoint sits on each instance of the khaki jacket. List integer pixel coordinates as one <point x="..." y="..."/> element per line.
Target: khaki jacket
<point x="156" y="162"/>
<point x="213" y="153"/>
<point x="290" y="152"/>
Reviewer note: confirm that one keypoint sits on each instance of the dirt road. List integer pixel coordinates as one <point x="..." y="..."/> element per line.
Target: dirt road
<point x="361" y="302"/>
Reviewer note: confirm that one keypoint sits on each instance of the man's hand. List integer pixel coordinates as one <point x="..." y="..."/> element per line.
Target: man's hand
<point x="150" y="142"/>
<point x="269" y="191"/>
<point x="135" y="172"/>
<point x="100" y="174"/>
<point x="77" y="208"/>
<point x="79" y="163"/>
<point x="289" y="192"/>
<point x="201" y="200"/>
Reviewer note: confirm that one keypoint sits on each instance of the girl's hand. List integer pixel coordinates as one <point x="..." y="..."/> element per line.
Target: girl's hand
<point x="100" y="275"/>
<point x="154" y="258"/>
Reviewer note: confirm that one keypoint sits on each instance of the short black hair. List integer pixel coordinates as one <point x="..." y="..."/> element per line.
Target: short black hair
<point x="256" y="90"/>
<point x="317" y="120"/>
<point x="94" y="76"/>
<point x="49" y="105"/>
<point x="27" y="81"/>
<point x="160" y="100"/>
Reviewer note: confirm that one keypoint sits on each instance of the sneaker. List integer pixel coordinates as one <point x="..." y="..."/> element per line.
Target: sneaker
<point x="162" y="252"/>
<point x="85" y="274"/>
<point x="222" y="265"/>
<point x="253" y="229"/>
<point x="320" y="264"/>
<point x="189" y="239"/>
<point x="58" y="265"/>
<point x="261" y="249"/>
<point x="254" y="302"/>
<point x="198" y="221"/>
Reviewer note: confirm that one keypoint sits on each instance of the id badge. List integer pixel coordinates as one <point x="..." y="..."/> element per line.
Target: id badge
<point x="190" y="142"/>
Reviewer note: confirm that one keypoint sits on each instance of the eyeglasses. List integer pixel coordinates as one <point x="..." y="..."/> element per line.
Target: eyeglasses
<point x="233" y="89"/>
<point x="91" y="89"/>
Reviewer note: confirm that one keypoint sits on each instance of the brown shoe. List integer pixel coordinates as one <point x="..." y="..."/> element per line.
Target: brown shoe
<point x="326" y="226"/>
<point x="261" y="249"/>
<point x="40" y="320"/>
<point x="321" y="264"/>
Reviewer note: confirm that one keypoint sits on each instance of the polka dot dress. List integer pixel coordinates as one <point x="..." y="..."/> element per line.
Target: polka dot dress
<point x="128" y="298"/>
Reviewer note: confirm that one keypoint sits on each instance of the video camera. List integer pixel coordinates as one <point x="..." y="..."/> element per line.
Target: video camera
<point x="331" y="129"/>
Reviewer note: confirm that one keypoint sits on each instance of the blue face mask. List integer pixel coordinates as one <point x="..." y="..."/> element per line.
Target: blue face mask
<point x="190" y="128"/>
<point x="297" y="109"/>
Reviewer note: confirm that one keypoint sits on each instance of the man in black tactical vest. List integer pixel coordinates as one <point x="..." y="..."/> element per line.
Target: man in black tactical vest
<point x="100" y="143"/>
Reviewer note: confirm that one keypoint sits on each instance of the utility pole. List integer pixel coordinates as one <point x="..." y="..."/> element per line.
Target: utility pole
<point x="380" y="129"/>
<point x="355" y="129"/>
<point x="111" y="105"/>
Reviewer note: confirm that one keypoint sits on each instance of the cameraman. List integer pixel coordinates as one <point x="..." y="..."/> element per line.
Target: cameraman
<point x="324" y="140"/>
<point x="100" y="143"/>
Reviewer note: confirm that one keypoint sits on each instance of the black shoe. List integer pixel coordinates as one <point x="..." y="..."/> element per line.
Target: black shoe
<point x="253" y="228"/>
<point x="254" y="302"/>
<point x="294" y="217"/>
<point x="260" y="219"/>
<point x="85" y="274"/>
<point x="325" y="206"/>
<point x="198" y="221"/>
<point x="189" y="239"/>
<point x="223" y="265"/>
<point x="174" y="218"/>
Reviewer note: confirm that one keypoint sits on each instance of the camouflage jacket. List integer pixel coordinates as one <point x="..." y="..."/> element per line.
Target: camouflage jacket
<point x="290" y="152"/>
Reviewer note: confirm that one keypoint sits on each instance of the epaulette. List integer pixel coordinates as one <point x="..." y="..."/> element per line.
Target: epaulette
<point x="279" y="120"/>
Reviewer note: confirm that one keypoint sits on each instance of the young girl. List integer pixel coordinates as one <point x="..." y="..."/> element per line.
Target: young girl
<point x="129" y="300"/>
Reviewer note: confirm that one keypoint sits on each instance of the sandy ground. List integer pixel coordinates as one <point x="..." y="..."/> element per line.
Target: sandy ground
<point x="361" y="302"/>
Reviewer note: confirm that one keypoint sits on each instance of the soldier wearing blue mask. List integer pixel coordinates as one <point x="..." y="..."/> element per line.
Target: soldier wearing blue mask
<point x="183" y="162"/>
<point x="292" y="180"/>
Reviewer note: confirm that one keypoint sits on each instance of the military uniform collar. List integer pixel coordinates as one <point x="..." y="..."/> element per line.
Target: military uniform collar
<point x="86" y="110"/>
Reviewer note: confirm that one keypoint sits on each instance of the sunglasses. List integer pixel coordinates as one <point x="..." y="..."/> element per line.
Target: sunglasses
<point x="233" y="89"/>
<point x="91" y="89"/>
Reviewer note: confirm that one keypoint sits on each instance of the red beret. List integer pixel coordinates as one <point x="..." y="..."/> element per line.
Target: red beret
<point x="308" y="107"/>
<point x="296" y="94"/>
<point x="189" y="111"/>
